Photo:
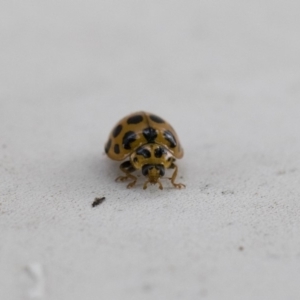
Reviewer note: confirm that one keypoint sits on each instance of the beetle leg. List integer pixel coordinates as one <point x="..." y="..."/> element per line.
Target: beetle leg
<point x="145" y="184"/>
<point x="127" y="167"/>
<point x="160" y="185"/>
<point x="177" y="185"/>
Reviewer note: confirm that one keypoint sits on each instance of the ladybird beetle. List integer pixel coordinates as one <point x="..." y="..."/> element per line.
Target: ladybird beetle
<point x="149" y="144"/>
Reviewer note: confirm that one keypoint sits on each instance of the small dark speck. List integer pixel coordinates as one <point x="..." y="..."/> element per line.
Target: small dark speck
<point x="241" y="248"/>
<point x="98" y="201"/>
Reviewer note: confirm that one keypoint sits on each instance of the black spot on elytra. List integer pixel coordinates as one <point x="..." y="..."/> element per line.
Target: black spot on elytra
<point x="107" y="146"/>
<point x="144" y="152"/>
<point x="156" y="119"/>
<point x="117" y="130"/>
<point x="117" y="149"/>
<point x="128" y="138"/>
<point x="170" y="138"/>
<point x="150" y="134"/>
<point x="158" y="152"/>
<point x="135" y="119"/>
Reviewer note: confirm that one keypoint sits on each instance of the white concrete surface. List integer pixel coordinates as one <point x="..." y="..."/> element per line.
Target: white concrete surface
<point x="226" y="74"/>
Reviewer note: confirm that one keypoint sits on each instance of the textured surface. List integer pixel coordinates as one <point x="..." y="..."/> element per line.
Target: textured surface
<point x="226" y="74"/>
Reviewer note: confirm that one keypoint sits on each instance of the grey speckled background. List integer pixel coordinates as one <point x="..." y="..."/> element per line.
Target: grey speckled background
<point x="226" y="74"/>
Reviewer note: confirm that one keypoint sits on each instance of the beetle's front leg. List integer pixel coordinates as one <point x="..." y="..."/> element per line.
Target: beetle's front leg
<point x="127" y="167"/>
<point x="176" y="185"/>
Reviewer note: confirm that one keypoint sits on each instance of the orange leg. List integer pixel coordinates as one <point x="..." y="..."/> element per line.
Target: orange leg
<point x="177" y="185"/>
<point x="128" y="176"/>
